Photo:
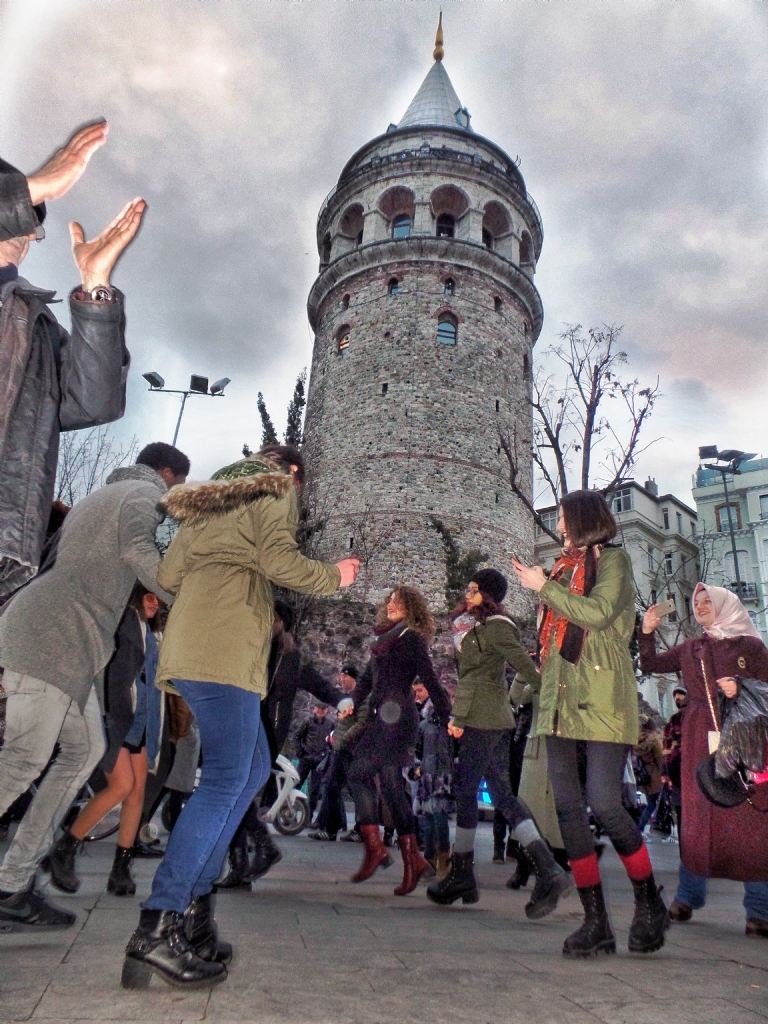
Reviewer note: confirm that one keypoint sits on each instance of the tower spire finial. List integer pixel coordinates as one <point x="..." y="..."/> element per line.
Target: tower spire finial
<point x="439" y="52"/>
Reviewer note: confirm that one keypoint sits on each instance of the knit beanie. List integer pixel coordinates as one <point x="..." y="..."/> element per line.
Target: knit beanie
<point x="492" y="583"/>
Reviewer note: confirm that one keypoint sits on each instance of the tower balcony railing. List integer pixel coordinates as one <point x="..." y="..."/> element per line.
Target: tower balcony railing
<point x="446" y="155"/>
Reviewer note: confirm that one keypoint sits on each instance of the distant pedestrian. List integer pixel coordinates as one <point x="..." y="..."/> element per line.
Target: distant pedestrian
<point x="433" y="774"/>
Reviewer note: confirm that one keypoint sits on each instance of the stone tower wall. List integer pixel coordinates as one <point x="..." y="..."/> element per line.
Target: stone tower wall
<point x="400" y="427"/>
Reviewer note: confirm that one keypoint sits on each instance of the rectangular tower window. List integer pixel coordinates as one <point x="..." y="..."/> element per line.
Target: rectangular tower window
<point x="497" y="405"/>
<point x="384" y="388"/>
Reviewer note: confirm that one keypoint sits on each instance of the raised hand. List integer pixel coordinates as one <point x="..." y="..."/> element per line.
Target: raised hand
<point x="66" y="166"/>
<point x="651" y="620"/>
<point x="531" y="576"/>
<point x="96" y="259"/>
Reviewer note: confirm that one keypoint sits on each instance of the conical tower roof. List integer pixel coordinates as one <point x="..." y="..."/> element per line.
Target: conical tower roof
<point x="436" y="102"/>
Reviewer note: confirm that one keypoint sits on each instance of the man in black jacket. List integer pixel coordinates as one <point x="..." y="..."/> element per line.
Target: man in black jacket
<point x="313" y="746"/>
<point x="51" y="380"/>
<point x="288" y="670"/>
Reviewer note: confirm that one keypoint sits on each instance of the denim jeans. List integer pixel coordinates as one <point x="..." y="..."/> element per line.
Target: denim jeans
<point x="236" y="763"/>
<point x="692" y="891"/>
<point x="650" y="807"/>
<point x="484" y="754"/>
<point x="38" y="716"/>
<point x="437" y="837"/>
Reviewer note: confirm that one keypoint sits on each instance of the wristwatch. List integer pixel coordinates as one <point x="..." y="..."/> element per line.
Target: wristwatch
<point x="101" y="293"/>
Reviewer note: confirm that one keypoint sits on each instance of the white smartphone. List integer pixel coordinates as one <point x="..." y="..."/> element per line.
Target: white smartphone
<point x="665" y="608"/>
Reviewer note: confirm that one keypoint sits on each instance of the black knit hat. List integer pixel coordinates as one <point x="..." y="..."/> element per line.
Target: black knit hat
<point x="492" y="583"/>
<point x="350" y="670"/>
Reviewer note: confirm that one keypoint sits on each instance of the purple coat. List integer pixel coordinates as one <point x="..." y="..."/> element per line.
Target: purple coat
<point x="715" y="842"/>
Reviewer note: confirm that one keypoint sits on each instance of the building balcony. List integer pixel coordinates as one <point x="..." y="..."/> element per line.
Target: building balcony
<point x="746" y="591"/>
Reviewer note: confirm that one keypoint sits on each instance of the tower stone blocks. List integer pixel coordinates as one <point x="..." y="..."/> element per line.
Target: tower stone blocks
<point x="425" y="315"/>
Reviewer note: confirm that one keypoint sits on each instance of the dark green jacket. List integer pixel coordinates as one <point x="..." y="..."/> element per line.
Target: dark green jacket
<point x="595" y="699"/>
<point x="482" y="694"/>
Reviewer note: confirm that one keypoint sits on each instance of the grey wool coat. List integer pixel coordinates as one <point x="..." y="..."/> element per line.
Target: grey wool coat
<point x="61" y="627"/>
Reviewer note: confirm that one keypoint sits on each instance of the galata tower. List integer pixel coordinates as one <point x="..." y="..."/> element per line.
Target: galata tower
<point x="425" y="315"/>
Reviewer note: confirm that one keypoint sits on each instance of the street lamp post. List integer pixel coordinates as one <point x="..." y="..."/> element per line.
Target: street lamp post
<point x="197" y="386"/>
<point x="734" y="458"/>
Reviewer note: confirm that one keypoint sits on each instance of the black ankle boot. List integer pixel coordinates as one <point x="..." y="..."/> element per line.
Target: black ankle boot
<point x="499" y="834"/>
<point x="60" y="862"/>
<point x="120" y="881"/>
<point x="459" y="883"/>
<point x="551" y="881"/>
<point x="201" y="931"/>
<point x="519" y="879"/>
<point x="159" y="946"/>
<point x="266" y="852"/>
<point x="238" y="876"/>
<point x="651" y="920"/>
<point x="595" y="934"/>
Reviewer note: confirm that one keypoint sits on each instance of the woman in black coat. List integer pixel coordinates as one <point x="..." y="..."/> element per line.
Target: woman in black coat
<point x="398" y="655"/>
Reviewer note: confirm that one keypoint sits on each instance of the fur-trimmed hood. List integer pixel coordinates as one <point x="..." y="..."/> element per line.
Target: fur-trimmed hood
<point x="194" y="502"/>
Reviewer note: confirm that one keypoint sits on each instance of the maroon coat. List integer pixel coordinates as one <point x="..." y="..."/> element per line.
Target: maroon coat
<point x="715" y="842"/>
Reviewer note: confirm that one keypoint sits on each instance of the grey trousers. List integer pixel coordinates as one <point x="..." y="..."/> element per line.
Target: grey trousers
<point x="37" y="716"/>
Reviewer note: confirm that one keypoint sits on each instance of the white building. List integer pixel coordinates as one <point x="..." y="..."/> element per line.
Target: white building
<point x="747" y="507"/>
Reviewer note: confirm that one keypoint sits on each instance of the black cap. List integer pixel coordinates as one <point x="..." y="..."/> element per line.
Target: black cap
<point x="492" y="583"/>
<point x="350" y="670"/>
<point x="679" y="689"/>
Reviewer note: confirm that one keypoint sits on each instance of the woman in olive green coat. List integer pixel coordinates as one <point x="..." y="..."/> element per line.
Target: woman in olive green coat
<point x="487" y="640"/>
<point x="588" y="714"/>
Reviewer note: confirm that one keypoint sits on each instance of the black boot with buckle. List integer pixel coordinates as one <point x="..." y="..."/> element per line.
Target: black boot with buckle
<point x="552" y="883"/>
<point x="60" y="862"/>
<point x="159" y="946"/>
<point x="202" y="933"/>
<point x="120" y="881"/>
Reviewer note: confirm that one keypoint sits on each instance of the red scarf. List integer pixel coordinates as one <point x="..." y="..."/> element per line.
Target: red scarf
<point x="582" y="564"/>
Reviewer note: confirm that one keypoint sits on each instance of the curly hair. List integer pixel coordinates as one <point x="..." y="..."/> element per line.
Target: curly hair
<point x="417" y="614"/>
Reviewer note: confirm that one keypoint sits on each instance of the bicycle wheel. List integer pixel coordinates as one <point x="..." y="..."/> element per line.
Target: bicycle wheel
<point x="108" y="825"/>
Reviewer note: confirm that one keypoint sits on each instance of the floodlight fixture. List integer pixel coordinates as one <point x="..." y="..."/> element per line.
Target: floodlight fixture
<point x="217" y="388"/>
<point x="154" y="379"/>
<point x="198" y="384"/>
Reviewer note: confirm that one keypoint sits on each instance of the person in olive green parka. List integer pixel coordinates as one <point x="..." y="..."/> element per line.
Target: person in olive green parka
<point x="588" y="714"/>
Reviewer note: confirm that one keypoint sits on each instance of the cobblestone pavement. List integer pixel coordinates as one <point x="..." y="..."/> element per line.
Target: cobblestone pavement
<point x="311" y="947"/>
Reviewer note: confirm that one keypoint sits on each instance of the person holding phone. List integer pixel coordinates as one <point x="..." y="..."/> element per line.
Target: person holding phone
<point x="588" y="711"/>
<point x="714" y="842"/>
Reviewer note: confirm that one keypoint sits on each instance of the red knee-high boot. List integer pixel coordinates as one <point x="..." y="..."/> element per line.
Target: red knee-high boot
<point x="414" y="865"/>
<point x="376" y="853"/>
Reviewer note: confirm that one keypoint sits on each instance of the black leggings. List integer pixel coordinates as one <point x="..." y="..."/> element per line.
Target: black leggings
<point x="601" y="791"/>
<point x="484" y="754"/>
<point x="362" y="782"/>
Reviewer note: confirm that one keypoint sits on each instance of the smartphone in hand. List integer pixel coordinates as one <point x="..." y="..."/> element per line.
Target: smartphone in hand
<point x="665" y="608"/>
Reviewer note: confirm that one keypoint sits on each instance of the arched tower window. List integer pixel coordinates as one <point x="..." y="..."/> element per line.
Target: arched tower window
<point x="359" y="237"/>
<point x="496" y="223"/>
<point x="351" y="224"/>
<point x="327" y="248"/>
<point x="526" y="248"/>
<point x="345" y="302"/>
<point x="394" y="286"/>
<point x="449" y="286"/>
<point x="401" y="226"/>
<point x="447" y="329"/>
<point x="446" y="225"/>
<point x="487" y="239"/>
<point x="343" y="337"/>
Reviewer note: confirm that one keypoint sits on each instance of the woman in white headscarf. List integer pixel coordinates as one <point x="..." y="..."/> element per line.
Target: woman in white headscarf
<point x="715" y="842"/>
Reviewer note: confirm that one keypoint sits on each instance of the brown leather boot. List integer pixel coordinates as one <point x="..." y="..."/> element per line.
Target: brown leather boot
<point x="414" y="864"/>
<point x="376" y="853"/>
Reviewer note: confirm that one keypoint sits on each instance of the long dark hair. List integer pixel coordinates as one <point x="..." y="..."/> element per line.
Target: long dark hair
<point x="588" y="519"/>
<point x="417" y="614"/>
<point x="486" y="609"/>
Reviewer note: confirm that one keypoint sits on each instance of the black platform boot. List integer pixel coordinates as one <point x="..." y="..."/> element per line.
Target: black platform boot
<point x="459" y="883"/>
<point x="238" y="876"/>
<point x="159" y="946"/>
<point x="266" y="854"/>
<point x="120" y="881"/>
<point x="594" y="935"/>
<point x="521" y="874"/>
<point x="499" y="835"/>
<point x="60" y="862"/>
<point x="201" y="931"/>
<point x="551" y="881"/>
<point x="651" y="920"/>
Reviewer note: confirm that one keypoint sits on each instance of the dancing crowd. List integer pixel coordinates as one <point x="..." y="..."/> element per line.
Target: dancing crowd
<point x="145" y="653"/>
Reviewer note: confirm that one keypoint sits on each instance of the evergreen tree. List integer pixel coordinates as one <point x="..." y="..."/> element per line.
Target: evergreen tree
<point x="268" y="432"/>
<point x="293" y="431"/>
<point x="459" y="566"/>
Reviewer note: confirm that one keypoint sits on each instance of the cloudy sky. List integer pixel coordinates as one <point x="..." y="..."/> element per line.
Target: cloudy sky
<point x="642" y="130"/>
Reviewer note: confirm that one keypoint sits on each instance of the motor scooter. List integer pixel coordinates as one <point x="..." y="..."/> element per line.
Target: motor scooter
<point x="290" y="811"/>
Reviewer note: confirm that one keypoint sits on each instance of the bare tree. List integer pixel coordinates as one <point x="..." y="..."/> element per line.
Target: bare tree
<point x="86" y="458"/>
<point x="574" y="428"/>
<point x="370" y="537"/>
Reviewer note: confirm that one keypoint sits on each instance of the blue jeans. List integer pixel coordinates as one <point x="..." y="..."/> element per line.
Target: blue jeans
<point x="652" y="799"/>
<point x="236" y="763"/>
<point x="437" y="838"/>
<point x="692" y="891"/>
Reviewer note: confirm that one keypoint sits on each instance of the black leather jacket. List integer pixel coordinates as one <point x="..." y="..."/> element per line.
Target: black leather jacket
<point x="289" y="671"/>
<point x="70" y="381"/>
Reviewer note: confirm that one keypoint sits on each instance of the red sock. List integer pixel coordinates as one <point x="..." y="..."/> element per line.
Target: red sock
<point x="586" y="872"/>
<point x="638" y="864"/>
